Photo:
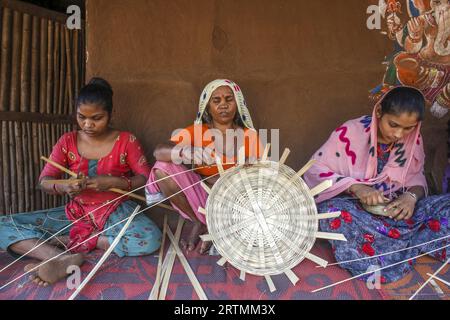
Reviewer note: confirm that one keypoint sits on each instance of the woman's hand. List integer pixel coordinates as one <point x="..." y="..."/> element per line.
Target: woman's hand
<point x="71" y="189"/>
<point x="415" y="27"/>
<point x="101" y="183"/>
<point x="368" y="195"/>
<point x="197" y="155"/>
<point x="401" y="208"/>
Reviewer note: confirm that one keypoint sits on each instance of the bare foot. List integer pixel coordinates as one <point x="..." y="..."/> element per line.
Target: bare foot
<point x="56" y="269"/>
<point x="204" y="247"/>
<point x="34" y="277"/>
<point x="198" y="229"/>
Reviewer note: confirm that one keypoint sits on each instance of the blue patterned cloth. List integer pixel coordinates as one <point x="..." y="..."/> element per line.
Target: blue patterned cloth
<point x="141" y="238"/>
<point x="368" y="235"/>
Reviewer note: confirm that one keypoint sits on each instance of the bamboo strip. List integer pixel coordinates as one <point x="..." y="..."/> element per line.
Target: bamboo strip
<point x="330" y="236"/>
<point x="106" y="254"/>
<point x="50" y="46"/>
<point x="25" y="70"/>
<point x="155" y="290"/>
<point x="291" y="276"/>
<point x="284" y="156"/>
<point x="321" y="187"/>
<point x="41" y="151"/>
<point x="439" y="279"/>
<point x="43" y="65"/>
<point x="197" y="287"/>
<point x="270" y="283"/>
<point x="242" y="275"/>
<point x="15" y="64"/>
<point x="266" y="152"/>
<point x="321" y="262"/>
<point x="34" y="98"/>
<point x="5" y="73"/>
<point x="171" y="259"/>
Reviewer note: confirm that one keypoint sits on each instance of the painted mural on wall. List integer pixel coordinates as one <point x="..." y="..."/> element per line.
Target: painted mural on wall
<point x="420" y="30"/>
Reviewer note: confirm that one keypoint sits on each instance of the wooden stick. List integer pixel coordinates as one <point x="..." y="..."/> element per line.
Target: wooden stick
<point x="41" y="151"/>
<point x="154" y="293"/>
<point x="34" y="99"/>
<point x="26" y="174"/>
<point x="6" y="166"/>
<point x="43" y="66"/>
<point x="56" y="69"/>
<point x="36" y="164"/>
<point x="25" y="70"/>
<point x="106" y="254"/>
<point x="32" y="178"/>
<point x="69" y="69"/>
<point x="62" y="181"/>
<point x="5" y="76"/>
<point x="13" y="167"/>
<point x="197" y="287"/>
<point x="131" y="195"/>
<point x="50" y="45"/>
<point x="170" y="261"/>
<point x="2" y="194"/>
<point x="62" y="74"/>
<point x="15" y="76"/>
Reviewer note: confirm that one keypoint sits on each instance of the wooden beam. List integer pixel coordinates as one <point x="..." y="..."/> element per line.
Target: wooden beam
<point x="36" y="117"/>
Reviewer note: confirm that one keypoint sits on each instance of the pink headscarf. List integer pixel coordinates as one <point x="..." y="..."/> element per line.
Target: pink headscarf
<point x="350" y="157"/>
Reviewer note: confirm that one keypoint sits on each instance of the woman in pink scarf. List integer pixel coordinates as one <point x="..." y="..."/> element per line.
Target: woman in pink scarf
<point x="374" y="160"/>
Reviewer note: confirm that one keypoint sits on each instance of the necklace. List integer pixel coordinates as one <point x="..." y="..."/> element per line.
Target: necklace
<point x="387" y="150"/>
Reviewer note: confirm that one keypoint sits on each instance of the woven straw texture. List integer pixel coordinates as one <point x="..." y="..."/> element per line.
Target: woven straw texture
<point x="261" y="218"/>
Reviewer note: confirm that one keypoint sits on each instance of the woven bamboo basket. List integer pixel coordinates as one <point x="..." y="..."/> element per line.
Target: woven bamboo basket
<point x="262" y="218"/>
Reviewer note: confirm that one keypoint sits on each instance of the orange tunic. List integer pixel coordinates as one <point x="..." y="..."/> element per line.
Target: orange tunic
<point x="199" y="136"/>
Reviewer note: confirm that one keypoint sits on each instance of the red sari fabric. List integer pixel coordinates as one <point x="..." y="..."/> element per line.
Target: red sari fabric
<point x="126" y="159"/>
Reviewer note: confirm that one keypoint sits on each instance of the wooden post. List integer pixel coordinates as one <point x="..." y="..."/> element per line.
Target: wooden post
<point x="69" y="78"/>
<point x="43" y="66"/>
<point x="37" y="191"/>
<point x="5" y="76"/>
<point x="62" y="73"/>
<point x="15" y="71"/>
<point x="26" y="172"/>
<point x="6" y="167"/>
<point x="50" y="46"/>
<point x="56" y="71"/>
<point x="25" y="84"/>
<point x="2" y="193"/>
<point x="19" y="167"/>
<point x="28" y="154"/>
<point x="12" y="167"/>
<point x="34" y="99"/>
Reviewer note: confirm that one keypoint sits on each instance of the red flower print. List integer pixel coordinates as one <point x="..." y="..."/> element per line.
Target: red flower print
<point x="346" y="216"/>
<point x="335" y="224"/>
<point x="370" y="238"/>
<point x="434" y="225"/>
<point x="383" y="280"/>
<point x="409" y="222"/>
<point x="394" y="233"/>
<point x="368" y="249"/>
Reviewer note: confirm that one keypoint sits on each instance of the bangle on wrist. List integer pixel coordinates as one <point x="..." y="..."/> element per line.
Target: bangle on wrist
<point x="128" y="180"/>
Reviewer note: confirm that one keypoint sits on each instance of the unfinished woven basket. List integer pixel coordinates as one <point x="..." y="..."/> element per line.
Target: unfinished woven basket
<point x="261" y="219"/>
